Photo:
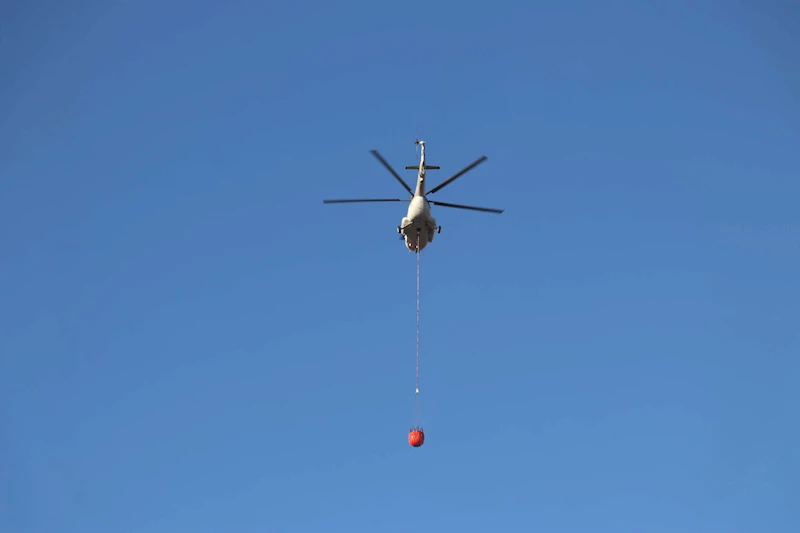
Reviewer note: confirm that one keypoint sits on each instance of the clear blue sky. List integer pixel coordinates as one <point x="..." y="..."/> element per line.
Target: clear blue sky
<point x="190" y="341"/>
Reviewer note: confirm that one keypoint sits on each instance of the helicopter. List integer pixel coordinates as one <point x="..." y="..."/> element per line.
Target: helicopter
<point x="418" y="227"/>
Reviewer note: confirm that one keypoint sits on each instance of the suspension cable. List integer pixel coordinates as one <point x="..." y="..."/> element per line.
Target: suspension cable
<point x="417" y="407"/>
<point x="418" y="261"/>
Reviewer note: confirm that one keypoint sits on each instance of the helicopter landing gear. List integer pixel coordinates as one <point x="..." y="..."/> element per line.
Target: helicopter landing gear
<point x="439" y="229"/>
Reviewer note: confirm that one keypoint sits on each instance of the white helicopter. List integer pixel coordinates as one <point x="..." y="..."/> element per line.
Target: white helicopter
<point x="418" y="226"/>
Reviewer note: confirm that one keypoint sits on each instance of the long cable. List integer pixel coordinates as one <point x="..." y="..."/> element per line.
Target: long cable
<point x="418" y="261"/>
<point x="416" y="391"/>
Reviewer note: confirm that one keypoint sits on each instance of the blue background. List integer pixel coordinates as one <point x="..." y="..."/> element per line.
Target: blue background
<point x="192" y="342"/>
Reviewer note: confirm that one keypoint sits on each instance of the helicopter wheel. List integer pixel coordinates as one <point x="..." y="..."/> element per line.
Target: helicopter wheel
<point x="439" y="229"/>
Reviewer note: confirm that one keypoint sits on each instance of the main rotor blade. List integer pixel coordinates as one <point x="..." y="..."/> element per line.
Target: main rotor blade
<point x="458" y="206"/>
<point x="458" y="174"/>
<point x="380" y="158"/>
<point x="365" y="200"/>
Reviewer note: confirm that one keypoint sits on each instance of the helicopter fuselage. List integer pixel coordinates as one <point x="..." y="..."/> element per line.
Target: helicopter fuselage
<point x="418" y="226"/>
